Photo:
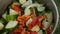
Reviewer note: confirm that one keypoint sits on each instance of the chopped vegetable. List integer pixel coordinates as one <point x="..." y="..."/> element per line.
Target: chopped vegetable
<point x="35" y="28"/>
<point x="34" y="32"/>
<point x="5" y="33"/>
<point x="50" y="16"/>
<point x="27" y="12"/>
<point x="11" y="24"/>
<point x="29" y="2"/>
<point x="41" y="8"/>
<point x="4" y="15"/>
<point x="22" y="1"/>
<point x="1" y="26"/>
<point x="47" y="21"/>
<point x="29" y="21"/>
<point x="11" y="17"/>
<point x="32" y="5"/>
<point x="40" y="32"/>
<point x="12" y="12"/>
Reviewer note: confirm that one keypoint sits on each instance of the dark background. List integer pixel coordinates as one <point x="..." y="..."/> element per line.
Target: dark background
<point x="58" y="26"/>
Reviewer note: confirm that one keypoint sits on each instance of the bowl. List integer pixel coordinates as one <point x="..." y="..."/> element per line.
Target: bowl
<point x="50" y="3"/>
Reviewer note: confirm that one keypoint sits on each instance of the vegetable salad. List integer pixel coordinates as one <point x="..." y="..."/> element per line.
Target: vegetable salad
<point x="26" y="17"/>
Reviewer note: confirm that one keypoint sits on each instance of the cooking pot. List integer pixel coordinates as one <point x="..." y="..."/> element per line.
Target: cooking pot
<point x="50" y="3"/>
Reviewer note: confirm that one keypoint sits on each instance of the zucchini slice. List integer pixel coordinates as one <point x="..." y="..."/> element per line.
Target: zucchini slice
<point x="29" y="2"/>
<point x="35" y="28"/>
<point x="22" y="1"/>
<point x="40" y="32"/>
<point x="1" y="26"/>
<point x="4" y="15"/>
<point x="29" y="21"/>
<point x="12" y="12"/>
<point x="11" y="24"/>
<point x="40" y="8"/>
<point x="48" y="20"/>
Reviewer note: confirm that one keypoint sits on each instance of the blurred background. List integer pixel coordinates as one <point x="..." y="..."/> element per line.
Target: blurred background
<point x="58" y="27"/>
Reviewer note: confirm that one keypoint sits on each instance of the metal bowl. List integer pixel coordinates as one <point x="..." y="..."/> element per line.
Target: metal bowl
<point x="50" y="3"/>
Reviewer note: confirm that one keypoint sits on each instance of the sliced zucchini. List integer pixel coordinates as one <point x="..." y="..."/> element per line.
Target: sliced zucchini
<point x="29" y="2"/>
<point x="35" y="28"/>
<point x="40" y="32"/>
<point x="49" y="16"/>
<point x="4" y="33"/>
<point x="29" y="21"/>
<point x="28" y="12"/>
<point x="11" y="24"/>
<point x="22" y="1"/>
<point x="4" y="15"/>
<point x="48" y="20"/>
<point x="12" y="12"/>
<point x="46" y="24"/>
<point x="1" y="26"/>
<point x="40" y="8"/>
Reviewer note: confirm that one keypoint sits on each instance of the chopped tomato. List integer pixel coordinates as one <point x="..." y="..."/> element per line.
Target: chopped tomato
<point x="34" y="32"/>
<point x="16" y="8"/>
<point x="21" y="24"/>
<point x="34" y="21"/>
<point x="29" y="26"/>
<point x="49" y="30"/>
<point x="32" y="16"/>
<point x="27" y="32"/>
<point x="41" y="18"/>
<point x="23" y="31"/>
<point x="25" y="18"/>
<point x="38" y="23"/>
<point x="17" y="31"/>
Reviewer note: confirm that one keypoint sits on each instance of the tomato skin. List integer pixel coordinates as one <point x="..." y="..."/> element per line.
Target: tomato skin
<point x="30" y="27"/>
<point x="15" y="7"/>
<point x="34" y="32"/>
<point x="17" y="31"/>
<point x="41" y="18"/>
<point x="27" y="32"/>
<point x="49" y="30"/>
<point x="34" y="21"/>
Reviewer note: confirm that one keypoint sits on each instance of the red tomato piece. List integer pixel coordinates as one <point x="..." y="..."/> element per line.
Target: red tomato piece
<point x="27" y="32"/>
<point x="34" y="32"/>
<point x="34" y="21"/>
<point x="30" y="27"/>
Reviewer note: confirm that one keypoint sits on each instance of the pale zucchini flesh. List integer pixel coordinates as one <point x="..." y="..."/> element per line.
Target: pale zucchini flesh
<point x="29" y="21"/>
<point x="22" y="1"/>
<point x="12" y="12"/>
<point x="1" y="26"/>
<point x="11" y="24"/>
<point x="35" y="28"/>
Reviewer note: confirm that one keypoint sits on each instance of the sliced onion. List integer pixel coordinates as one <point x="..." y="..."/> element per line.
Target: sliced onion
<point x="32" y="5"/>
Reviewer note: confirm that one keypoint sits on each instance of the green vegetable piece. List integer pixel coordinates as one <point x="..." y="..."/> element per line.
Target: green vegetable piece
<point x="11" y="17"/>
<point x="4" y="21"/>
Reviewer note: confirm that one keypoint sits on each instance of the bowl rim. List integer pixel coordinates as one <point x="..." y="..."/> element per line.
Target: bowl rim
<point x="57" y="16"/>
